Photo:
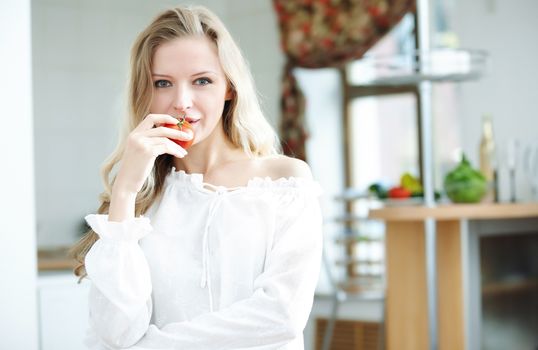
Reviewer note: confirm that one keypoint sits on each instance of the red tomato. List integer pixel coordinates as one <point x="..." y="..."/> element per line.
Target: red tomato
<point x="399" y="192"/>
<point x="182" y="125"/>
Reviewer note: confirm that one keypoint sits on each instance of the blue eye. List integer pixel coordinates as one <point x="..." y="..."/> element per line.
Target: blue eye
<point x="202" y="81"/>
<point x="162" y="83"/>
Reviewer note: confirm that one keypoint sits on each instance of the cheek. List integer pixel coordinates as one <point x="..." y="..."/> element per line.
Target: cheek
<point x="159" y="103"/>
<point x="212" y="105"/>
<point x="154" y="103"/>
<point x="212" y="111"/>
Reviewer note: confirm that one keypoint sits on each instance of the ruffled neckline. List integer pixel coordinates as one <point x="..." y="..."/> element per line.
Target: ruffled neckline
<point x="196" y="180"/>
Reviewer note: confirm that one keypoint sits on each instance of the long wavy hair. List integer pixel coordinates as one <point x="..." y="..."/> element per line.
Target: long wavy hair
<point x="242" y="119"/>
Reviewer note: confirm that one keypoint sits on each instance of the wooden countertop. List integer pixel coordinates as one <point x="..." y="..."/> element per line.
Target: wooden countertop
<point x="54" y="259"/>
<point x="456" y="212"/>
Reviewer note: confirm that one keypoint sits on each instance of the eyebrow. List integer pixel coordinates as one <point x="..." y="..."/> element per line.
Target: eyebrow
<point x="195" y="74"/>
<point x="205" y="72"/>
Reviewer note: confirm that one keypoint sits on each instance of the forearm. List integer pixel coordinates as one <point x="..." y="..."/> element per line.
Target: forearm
<point x="259" y="322"/>
<point x="122" y="205"/>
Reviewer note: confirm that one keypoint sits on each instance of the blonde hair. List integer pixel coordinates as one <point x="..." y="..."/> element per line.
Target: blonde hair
<point x="243" y="121"/>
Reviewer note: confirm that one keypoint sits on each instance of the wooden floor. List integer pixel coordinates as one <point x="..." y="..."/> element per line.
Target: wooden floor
<point x="350" y="335"/>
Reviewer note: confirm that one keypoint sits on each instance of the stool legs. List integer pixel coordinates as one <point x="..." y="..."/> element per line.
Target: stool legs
<point x="329" y="330"/>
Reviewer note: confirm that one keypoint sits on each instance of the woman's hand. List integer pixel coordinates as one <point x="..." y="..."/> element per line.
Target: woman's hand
<point x="144" y="144"/>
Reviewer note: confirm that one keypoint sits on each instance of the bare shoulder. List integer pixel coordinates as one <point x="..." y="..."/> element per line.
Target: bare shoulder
<point x="279" y="166"/>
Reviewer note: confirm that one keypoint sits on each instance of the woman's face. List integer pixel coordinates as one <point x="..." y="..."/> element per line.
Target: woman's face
<point x="188" y="80"/>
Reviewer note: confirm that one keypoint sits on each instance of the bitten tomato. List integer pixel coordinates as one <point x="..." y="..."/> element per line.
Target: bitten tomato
<point x="182" y="125"/>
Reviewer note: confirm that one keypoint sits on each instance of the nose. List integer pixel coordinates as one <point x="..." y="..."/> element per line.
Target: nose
<point x="183" y="100"/>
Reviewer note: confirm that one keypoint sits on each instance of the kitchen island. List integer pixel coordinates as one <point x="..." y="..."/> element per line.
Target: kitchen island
<point x="459" y="288"/>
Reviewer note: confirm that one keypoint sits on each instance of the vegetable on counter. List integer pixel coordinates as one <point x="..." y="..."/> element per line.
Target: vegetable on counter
<point x="411" y="183"/>
<point x="378" y="191"/>
<point x="409" y="187"/>
<point x="465" y="184"/>
<point x="399" y="192"/>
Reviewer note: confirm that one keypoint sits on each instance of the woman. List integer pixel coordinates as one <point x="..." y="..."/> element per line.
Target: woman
<point x="217" y="247"/>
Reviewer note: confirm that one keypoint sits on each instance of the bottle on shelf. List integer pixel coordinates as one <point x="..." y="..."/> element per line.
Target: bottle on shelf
<point x="488" y="161"/>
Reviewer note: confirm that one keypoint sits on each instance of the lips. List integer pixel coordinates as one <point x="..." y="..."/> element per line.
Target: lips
<point x="192" y="120"/>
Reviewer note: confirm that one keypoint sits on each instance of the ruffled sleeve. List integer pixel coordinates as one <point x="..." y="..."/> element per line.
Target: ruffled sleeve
<point x="120" y="297"/>
<point x="278" y="310"/>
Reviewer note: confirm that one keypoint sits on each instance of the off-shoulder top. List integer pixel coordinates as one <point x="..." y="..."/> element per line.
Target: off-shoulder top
<point x="208" y="267"/>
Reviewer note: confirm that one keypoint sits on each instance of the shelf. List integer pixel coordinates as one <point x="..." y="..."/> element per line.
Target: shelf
<point x="351" y="262"/>
<point x="363" y="284"/>
<point x="509" y="288"/>
<point x="436" y="65"/>
<point x="417" y="78"/>
<point x="356" y="239"/>
<point x="346" y="218"/>
<point x="352" y="195"/>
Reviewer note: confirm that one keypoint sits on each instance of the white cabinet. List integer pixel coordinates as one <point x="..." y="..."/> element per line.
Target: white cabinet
<point x="63" y="311"/>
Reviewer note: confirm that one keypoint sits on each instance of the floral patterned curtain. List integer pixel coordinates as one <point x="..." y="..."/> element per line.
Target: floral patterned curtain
<point x="325" y="33"/>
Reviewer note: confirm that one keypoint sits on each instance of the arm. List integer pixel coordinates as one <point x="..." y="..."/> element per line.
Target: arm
<point x="120" y="295"/>
<point x="120" y="304"/>
<point x="278" y="310"/>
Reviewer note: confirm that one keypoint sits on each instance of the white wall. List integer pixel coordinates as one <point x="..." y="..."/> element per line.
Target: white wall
<point x="254" y="25"/>
<point x="507" y="30"/>
<point x="18" y="305"/>
<point x="324" y="149"/>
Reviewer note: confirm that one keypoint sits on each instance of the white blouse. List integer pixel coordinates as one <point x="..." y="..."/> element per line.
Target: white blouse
<point x="220" y="268"/>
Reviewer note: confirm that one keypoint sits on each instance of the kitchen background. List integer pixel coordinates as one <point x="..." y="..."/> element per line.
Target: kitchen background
<point x="79" y="62"/>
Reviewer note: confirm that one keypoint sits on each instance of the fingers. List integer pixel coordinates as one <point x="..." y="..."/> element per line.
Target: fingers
<point x="150" y="138"/>
<point x="162" y="131"/>
<point x="162" y="145"/>
<point x="152" y="120"/>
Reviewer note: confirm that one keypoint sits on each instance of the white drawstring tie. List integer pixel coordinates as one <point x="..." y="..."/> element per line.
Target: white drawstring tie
<point x="206" y="269"/>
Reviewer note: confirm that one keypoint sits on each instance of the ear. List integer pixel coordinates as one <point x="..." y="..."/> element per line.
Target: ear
<point x="230" y="92"/>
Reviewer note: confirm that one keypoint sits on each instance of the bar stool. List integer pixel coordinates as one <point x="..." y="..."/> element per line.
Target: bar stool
<point x="350" y="288"/>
